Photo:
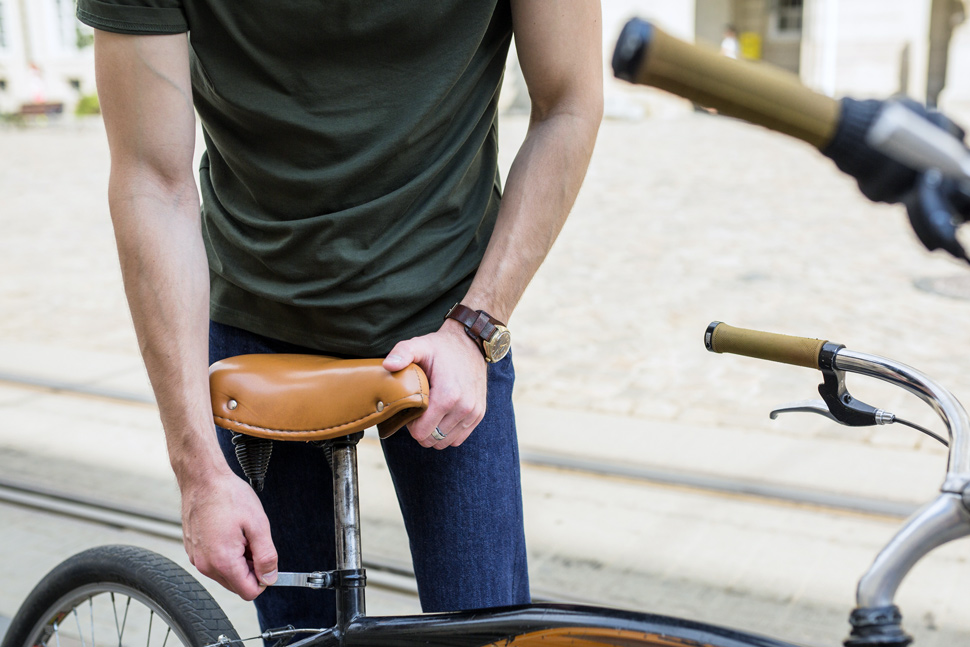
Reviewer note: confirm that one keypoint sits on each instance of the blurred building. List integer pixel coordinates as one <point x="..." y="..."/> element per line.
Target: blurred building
<point x="45" y="54"/>
<point x="859" y="47"/>
<point x="866" y="48"/>
<point x="863" y="48"/>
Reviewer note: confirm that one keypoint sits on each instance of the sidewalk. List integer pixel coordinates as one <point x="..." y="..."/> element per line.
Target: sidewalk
<point x="777" y="569"/>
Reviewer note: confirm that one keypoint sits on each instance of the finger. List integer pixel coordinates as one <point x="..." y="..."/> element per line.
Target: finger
<point x="456" y="425"/>
<point x="231" y="571"/>
<point x="187" y="544"/>
<point x="460" y="405"/>
<point x="449" y="427"/>
<point x="262" y="552"/>
<point x="243" y="581"/>
<point x="422" y="428"/>
<point x="407" y="352"/>
<point x="439" y="438"/>
<point x="459" y="432"/>
<point x="448" y="408"/>
<point x="221" y="581"/>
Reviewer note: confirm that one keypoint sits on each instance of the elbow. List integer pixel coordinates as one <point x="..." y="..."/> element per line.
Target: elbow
<point x="152" y="174"/>
<point x="581" y="113"/>
<point x="148" y="186"/>
<point x="583" y="104"/>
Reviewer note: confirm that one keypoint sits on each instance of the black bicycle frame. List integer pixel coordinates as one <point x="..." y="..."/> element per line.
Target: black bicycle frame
<point x="532" y="625"/>
<point x="521" y="626"/>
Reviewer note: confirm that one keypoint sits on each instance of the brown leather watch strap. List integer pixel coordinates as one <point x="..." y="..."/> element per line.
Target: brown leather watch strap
<point x="479" y="325"/>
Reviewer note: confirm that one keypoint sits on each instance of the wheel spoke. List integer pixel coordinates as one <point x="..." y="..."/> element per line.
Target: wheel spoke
<point x="77" y="621"/>
<point x="57" y="634"/>
<point x="168" y="633"/>
<point x="124" y="621"/>
<point x="91" y="613"/>
<point x="114" y="607"/>
<point x="148" y="639"/>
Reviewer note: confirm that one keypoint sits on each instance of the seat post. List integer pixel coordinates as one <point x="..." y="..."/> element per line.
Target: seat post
<point x="346" y="518"/>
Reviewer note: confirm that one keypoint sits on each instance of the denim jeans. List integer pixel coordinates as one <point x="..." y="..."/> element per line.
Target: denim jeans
<point x="462" y="506"/>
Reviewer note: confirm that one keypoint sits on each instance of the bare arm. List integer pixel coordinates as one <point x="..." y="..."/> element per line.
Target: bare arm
<point x="560" y="50"/>
<point x="559" y="45"/>
<point x="146" y="99"/>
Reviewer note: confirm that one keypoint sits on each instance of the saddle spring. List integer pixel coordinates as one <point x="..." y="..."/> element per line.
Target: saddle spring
<point x="253" y="455"/>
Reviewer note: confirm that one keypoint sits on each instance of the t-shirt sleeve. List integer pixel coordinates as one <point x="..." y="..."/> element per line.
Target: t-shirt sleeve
<point x="139" y="17"/>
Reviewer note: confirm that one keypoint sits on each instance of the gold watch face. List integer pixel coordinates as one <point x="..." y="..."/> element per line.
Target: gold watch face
<point x="498" y="346"/>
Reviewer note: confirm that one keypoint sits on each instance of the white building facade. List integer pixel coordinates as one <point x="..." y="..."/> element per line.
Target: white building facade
<point x="862" y="48"/>
<point x="45" y="54"/>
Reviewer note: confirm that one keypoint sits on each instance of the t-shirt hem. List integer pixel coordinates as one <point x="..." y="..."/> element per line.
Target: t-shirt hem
<point x="372" y="348"/>
<point x="130" y="28"/>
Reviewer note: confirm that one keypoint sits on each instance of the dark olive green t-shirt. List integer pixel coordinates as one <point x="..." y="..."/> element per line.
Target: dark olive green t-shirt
<point x="350" y="182"/>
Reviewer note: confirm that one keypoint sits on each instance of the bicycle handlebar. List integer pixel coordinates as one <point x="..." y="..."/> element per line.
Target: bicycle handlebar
<point x="751" y="91"/>
<point x="945" y="518"/>
<point x="885" y="163"/>
<point x="803" y="351"/>
<point x="786" y="349"/>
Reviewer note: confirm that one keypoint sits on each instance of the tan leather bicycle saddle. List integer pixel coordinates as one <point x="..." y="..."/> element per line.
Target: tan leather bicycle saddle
<point x="310" y="397"/>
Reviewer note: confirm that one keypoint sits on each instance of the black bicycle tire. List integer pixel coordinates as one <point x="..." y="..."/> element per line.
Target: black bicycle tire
<point x="190" y="607"/>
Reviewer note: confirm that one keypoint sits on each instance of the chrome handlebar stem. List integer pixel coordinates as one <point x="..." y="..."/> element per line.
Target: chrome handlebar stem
<point x="942" y="520"/>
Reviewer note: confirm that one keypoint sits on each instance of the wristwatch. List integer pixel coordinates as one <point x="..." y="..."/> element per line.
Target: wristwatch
<point x="489" y="334"/>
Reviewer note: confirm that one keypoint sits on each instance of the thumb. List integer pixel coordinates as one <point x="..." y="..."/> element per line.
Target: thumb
<point x="264" y="555"/>
<point x="403" y="354"/>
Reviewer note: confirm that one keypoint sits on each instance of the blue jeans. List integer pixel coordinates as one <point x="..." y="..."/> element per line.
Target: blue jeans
<point x="462" y="506"/>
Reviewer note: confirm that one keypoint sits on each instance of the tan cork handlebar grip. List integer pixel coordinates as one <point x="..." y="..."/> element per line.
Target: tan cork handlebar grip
<point x="749" y="90"/>
<point x="799" y="351"/>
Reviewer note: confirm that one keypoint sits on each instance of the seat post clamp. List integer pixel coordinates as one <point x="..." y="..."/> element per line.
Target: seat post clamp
<point x="349" y="578"/>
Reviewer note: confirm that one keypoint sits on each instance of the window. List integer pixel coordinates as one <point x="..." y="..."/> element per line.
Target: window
<point x="785" y="20"/>
<point x="66" y="32"/>
<point x="787" y="17"/>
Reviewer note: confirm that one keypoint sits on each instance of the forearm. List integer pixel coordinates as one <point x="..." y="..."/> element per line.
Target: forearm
<point x="145" y="90"/>
<point x="541" y="188"/>
<point x="166" y="281"/>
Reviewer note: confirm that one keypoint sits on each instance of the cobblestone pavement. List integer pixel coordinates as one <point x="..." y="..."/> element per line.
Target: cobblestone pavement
<point x="683" y="219"/>
<point x="687" y="220"/>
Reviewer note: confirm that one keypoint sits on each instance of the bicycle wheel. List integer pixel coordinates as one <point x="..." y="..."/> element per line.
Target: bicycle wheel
<point x="118" y="595"/>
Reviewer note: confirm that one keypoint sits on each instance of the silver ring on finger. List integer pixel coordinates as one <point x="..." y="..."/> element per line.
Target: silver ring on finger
<point x="437" y="435"/>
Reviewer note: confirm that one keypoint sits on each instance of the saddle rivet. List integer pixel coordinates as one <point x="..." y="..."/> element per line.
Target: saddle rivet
<point x="232" y="405"/>
<point x="380" y="406"/>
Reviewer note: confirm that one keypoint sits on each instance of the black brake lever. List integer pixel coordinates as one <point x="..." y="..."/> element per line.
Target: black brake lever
<point x="844" y="408"/>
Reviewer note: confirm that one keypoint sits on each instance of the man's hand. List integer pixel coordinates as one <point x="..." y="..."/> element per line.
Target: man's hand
<point x="227" y="535"/>
<point x="457" y="379"/>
